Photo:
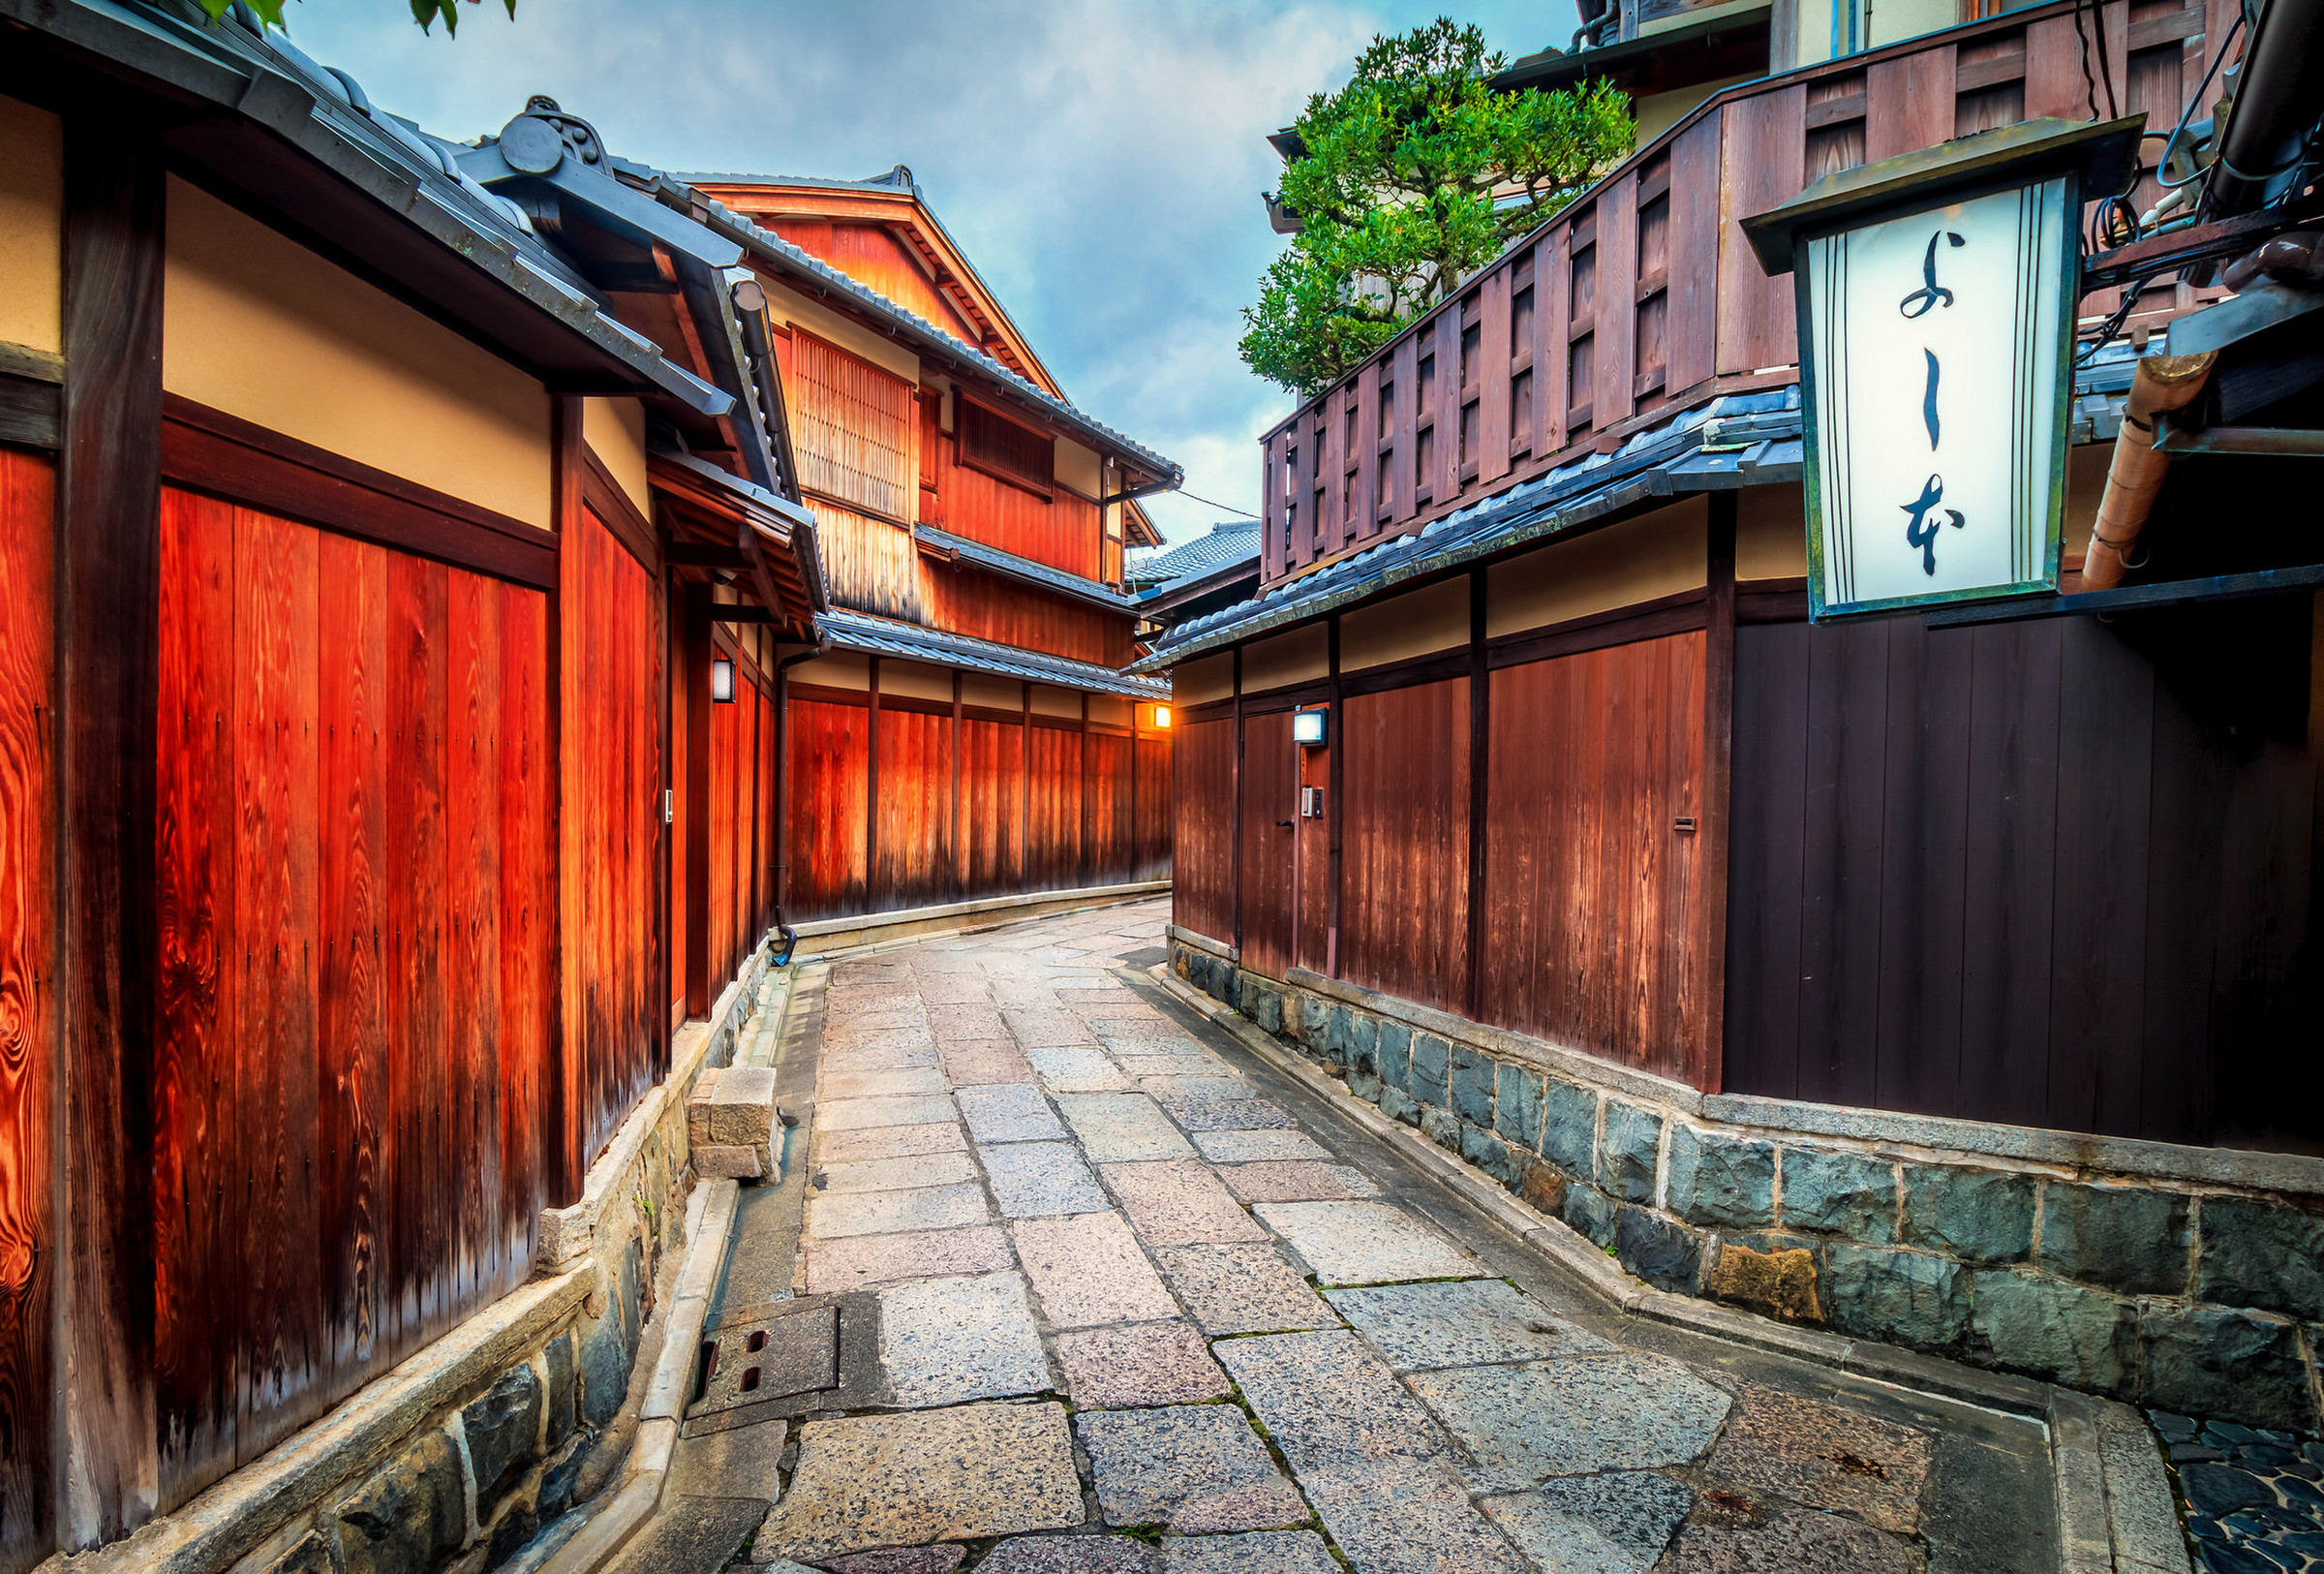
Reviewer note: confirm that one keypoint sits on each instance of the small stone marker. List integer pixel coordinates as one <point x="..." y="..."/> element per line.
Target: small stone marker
<point x="730" y="1121"/>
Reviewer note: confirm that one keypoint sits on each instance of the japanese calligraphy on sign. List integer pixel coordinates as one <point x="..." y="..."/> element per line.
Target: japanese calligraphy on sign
<point x="1935" y="344"/>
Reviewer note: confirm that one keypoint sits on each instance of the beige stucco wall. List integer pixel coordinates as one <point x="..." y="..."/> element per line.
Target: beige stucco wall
<point x="1048" y="701"/>
<point x="32" y="226"/>
<point x="915" y="680"/>
<point x="1657" y="112"/>
<point x="1302" y="655"/>
<point x="841" y="669"/>
<point x="615" y="430"/>
<point x="1419" y="624"/>
<point x="1658" y="554"/>
<point x="1199" y="682"/>
<point x="787" y="307"/>
<point x="258" y="327"/>
<point x="1771" y="534"/>
<point x="991" y="693"/>
<point x="1109" y="710"/>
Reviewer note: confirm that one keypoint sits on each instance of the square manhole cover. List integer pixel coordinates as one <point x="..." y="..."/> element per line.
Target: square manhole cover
<point x="757" y="1359"/>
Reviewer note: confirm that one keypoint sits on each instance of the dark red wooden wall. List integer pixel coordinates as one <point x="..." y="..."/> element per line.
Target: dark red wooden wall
<point x="355" y="878"/>
<point x="1203" y="790"/>
<point x="2053" y="873"/>
<point x="1404" y="902"/>
<point x="28" y="1249"/>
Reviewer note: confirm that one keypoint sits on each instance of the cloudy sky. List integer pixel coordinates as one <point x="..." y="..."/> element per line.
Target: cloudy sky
<point x="1099" y="160"/>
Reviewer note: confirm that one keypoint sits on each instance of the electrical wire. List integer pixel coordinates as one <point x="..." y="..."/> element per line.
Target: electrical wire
<point x="2218" y="59"/>
<point x="1221" y="506"/>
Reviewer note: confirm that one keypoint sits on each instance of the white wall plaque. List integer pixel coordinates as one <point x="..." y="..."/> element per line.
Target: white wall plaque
<point x="1937" y="349"/>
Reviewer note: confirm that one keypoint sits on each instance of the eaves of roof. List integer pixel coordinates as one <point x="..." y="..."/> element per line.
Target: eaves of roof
<point x="1197" y="582"/>
<point x="1220" y="544"/>
<point x="993" y="560"/>
<point x="885" y="637"/>
<point x="903" y="324"/>
<point x="323" y="114"/>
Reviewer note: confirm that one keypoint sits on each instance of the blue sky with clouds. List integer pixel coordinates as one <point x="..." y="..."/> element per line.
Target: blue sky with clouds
<point x="1099" y="160"/>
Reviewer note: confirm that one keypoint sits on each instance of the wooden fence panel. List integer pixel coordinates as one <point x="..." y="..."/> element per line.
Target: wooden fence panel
<point x="1054" y="821"/>
<point x="992" y="806"/>
<point x="1110" y="856"/>
<point x="1404" y="880"/>
<point x="28" y="1248"/>
<point x="826" y="805"/>
<point x="1202" y="794"/>
<point x="1156" y="811"/>
<point x="914" y="841"/>
<point x="1590" y="884"/>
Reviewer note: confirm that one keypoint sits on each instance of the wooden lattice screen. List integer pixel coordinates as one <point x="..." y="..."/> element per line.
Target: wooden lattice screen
<point x="854" y="431"/>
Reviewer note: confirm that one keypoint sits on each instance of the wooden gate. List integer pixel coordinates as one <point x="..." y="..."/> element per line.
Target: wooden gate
<point x="1270" y="809"/>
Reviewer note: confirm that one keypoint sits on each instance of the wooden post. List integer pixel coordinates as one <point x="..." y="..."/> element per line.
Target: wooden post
<point x="1137" y="826"/>
<point x="567" y="1082"/>
<point x="1334" y="759"/>
<point x="108" y="559"/>
<point x="1088" y="864"/>
<point x="698" y="771"/>
<point x="1480" y="768"/>
<point x="959" y="865"/>
<point x="1708" y="1054"/>
<point x="1025" y="795"/>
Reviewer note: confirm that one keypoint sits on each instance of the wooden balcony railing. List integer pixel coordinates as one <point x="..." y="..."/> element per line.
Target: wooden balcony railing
<point x="1642" y="297"/>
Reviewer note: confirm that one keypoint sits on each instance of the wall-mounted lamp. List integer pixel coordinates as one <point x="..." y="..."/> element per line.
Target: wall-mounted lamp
<point x="1162" y="717"/>
<point x="1307" y="729"/>
<point x="722" y="679"/>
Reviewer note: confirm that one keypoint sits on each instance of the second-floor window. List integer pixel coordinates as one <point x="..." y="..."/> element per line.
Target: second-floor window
<point x="853" y="430"/>
<point x="993" y="442"/>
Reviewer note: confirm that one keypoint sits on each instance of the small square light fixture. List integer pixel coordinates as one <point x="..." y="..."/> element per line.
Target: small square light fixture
<point x="1162" y="717"/>
<point x="1307" y="729"/>
<point x="722" y="679"/>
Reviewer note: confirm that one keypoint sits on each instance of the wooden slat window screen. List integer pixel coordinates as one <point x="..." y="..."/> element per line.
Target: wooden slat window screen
<point x="998" y="446"/>
<point x="854" y="430"/>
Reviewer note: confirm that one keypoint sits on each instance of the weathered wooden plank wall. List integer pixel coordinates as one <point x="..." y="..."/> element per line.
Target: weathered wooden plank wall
<point x="28" y="1254"/>
<point x="1268" y="790"/>
<point x="1588" y="884"/>
<point x="353" y="862"/>
<point x="914" y="838"/>
<point x="828" y="745"/>
<point x="1201" y="787"/>
<point x="2050" y="874"/>
<point x="1154" y="813"/>
<point x="1404" y="898"/>
<point x="986" y="607"/>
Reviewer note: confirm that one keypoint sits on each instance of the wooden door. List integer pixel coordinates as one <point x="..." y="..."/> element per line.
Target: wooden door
<point x="1270" y="809"/>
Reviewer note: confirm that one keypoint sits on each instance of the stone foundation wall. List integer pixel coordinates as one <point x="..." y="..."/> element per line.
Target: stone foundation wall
<point x="2188" y="1280"/>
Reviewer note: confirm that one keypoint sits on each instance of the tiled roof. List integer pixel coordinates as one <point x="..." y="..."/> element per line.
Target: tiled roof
<point x="885" y="637"/>
<point x="1226" y="544"/>
<point x="1735" y="440"/>
<point x="993" y="560"/>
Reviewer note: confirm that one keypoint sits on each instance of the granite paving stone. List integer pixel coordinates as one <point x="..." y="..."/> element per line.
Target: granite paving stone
<point x="1366" y="1242"/>
<point x="967" y="1023"/>
<point x="1408" y="1516"/>
<point x="1078" y="1068"/>
<point x="897" y="1480"/>
<point x="863" y="1114"/>
<point x="1206" y="1088"/>
<point x="1149" y="1058"/>
<point x="982" y="1062"/>
<point x="1467" y="1323"/>
<point x="1179" y="1203"/>
<point x="877" y="1052"/>
<point x="942" y="1558"/>
<point x="1195" y="1470"/>
<point x="1202" y="1112"/>
<point x="1248" y="1147"/>
<point x="894" y="1174"/>
<point x="1141" y="1364"/>
<point x="1031" y="1178"/>
<point x="1619" y="1522"/>
<point x="1046" y="1028"/>
<point x="1575" y="1416"/>
<point x="872" y="1023"/>
<point x="1122" y="1128"/>
<point x="891" y="1082"/>
<point x="1243" y="1289"/>
<point x="1072" y="1555"/>
<point x="946" y="1341"/>
<point x="1297" y="1180"/>
<point x="1794" y="1541"/>
<point x="1256" y="1551"/>
<point x="887" y="1142"/>
<point x="1009" y="1112"/>
<point x="1327" y="1402"/>
<point x="1825" y="1457"/>
<point x="862" y="1261"/>
<point x="1088" y="1270"/>
<point x="888" y="1212"/>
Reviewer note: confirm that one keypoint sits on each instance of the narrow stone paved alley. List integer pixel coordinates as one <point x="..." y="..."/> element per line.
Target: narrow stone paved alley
<point x="1062" y="1277"/>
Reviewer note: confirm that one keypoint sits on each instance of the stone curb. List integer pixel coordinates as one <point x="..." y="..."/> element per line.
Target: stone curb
<point x="865" y="930"/>
<point x="224" y="1522"/>
<point x="2106" y="1520"/>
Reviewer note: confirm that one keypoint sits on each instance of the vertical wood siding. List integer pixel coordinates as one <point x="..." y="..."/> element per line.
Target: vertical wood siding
<point x="353" y="863"/>
<point x="915" y="809"/>
<point x="28" y="1250"/>
<point x="2050" y="874"/>
<point x="1589" y="888"/>
<point x="991" y="802"/>
<point x="611" y="675"/>
<point x="1404" y="894"/>
<point x="854" y="430"/>
<point x="828" y="745"/>
<point x="1201" y="787"/>
<point x="1269" y="784"/>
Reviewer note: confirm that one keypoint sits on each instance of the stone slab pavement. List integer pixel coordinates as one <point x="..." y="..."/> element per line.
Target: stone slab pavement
<point x="1144" y="1301"/>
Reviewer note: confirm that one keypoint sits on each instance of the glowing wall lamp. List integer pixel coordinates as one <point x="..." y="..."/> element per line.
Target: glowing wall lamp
<point x="1307" y="727"/>
<point x="722" y="679"/>
<point x="1162" y="717"/>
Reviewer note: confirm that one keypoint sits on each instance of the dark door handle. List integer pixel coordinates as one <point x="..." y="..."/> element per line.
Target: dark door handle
<point x="1283" y="824"/>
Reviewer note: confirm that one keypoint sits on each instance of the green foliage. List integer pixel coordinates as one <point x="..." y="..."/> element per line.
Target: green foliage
<point x="1396" y="195"/>
<point x="423" y="11"/>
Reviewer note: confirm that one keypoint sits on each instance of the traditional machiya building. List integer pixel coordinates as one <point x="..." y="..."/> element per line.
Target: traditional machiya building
<point x="960" y="731"/>
<point x="1828" y="901"/>
<point x="396" y="540"/>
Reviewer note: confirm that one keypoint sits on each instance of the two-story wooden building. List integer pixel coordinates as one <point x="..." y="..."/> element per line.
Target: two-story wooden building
<point x="1950" y="981"/>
